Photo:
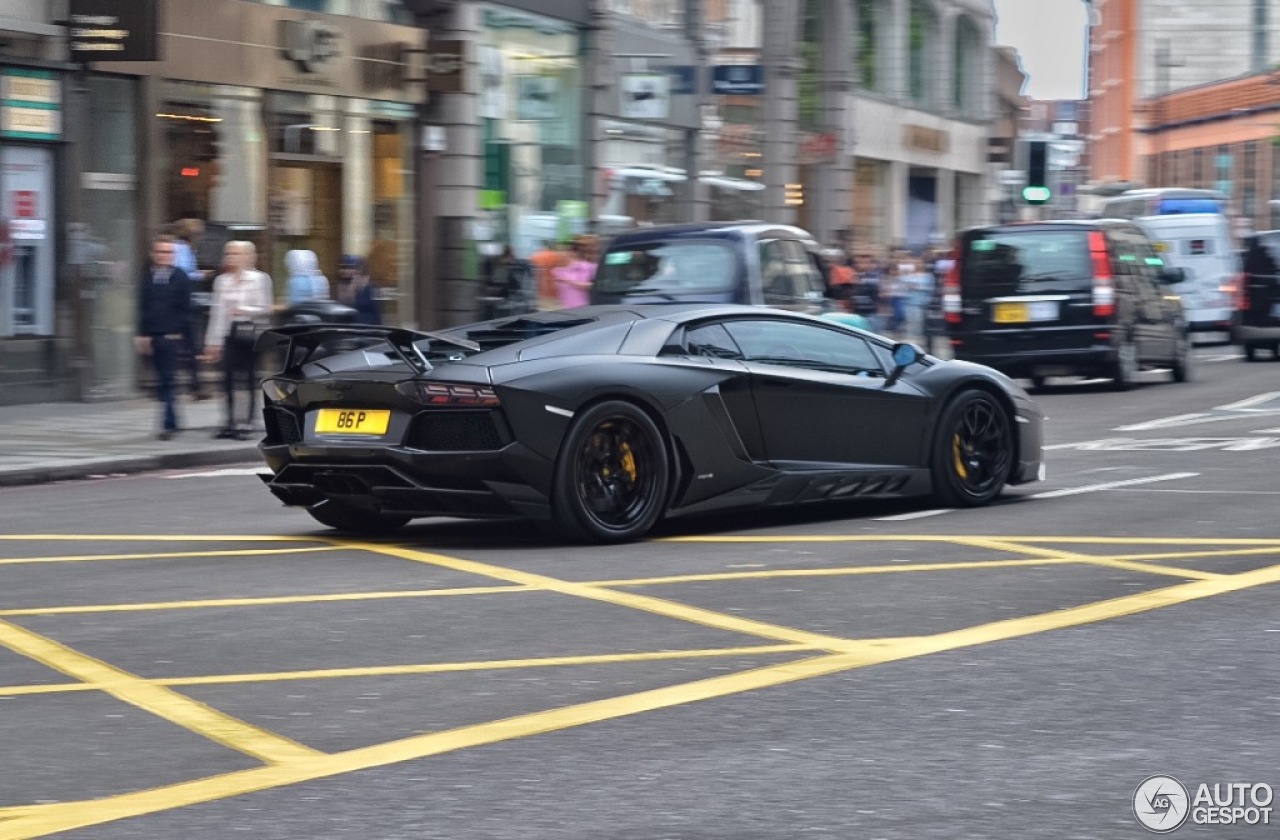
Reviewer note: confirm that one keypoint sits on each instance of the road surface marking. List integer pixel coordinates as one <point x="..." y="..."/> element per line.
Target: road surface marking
<point x="170" y="555"/>
<point x="1111" y="485"/>
<point x="154" y="538"/>
<point x="919" y="514"/>
<point x="1245" y="407"/>
<point x="419" y="669"/>
<point x="230" y="471"/>
<point x="40" y="820"/>
<point x="841" y="572"/>
<point x="158" y="700"/>
<point x="1200" y="444"/>
<point x="1013" y="547"/>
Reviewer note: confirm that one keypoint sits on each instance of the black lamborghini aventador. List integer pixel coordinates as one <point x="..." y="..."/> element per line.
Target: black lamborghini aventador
<point x="604" y="419"/>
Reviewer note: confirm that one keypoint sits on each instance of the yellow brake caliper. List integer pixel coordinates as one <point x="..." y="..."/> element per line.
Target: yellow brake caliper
<point x="629" y="461"/>
<point x="956" y="451"/>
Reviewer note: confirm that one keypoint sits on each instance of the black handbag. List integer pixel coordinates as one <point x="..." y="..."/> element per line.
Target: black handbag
<point x="244" y="332"/>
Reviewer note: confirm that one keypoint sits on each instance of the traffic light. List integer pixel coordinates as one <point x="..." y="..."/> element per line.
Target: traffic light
<point x="1037" y="189"/>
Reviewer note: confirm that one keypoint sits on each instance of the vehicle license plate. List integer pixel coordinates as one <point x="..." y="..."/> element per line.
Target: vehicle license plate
<point x="1021" y="313"/>
<point x="352" y="421"/>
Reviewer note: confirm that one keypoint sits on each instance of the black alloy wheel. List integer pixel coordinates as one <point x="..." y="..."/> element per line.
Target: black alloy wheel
<point x="612" y="476"/>
<point x="343" y="517"/>
<point x="973" y="453"/>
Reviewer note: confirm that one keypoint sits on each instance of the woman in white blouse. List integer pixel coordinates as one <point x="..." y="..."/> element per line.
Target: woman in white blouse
<point x="241" y="309"/>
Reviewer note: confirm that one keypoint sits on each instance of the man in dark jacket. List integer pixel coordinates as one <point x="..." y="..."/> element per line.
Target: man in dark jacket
<point x="164" y="317"/>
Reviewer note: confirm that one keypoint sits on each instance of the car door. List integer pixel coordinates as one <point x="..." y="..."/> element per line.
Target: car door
<point x="1163" y="314"/>
<point x="1139" y="310"/>
<point x="821" y="399"/>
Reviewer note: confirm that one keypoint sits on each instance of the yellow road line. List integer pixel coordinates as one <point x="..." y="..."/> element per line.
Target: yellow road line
<point x="238" y="552"/>
<point x="1014" y="547"/>
<point x="266" y="601"/>
<point x="960" y="538"/>
<point x="155" y="538"/>
<point x="418" y="669"/>
<point x="43" y="820"/>
<point x="631" y="600"/>
<point x="158" y="700"/>
<point x="838" y="572"/>
<point x="1193" y="555"/>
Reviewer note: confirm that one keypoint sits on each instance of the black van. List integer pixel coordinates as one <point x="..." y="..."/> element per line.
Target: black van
<point x="1257" y="311"/>
<point x="1046" y="299"/>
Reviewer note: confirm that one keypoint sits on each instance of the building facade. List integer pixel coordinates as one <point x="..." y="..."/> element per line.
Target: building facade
<point x="1140" y="50"/>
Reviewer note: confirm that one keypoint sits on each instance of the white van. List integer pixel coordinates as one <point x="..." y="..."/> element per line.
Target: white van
<point x="1201" y="245"/>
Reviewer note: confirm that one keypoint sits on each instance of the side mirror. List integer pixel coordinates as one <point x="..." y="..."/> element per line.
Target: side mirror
<point x="1173" y="276"/>
<point x="904" y="356"/>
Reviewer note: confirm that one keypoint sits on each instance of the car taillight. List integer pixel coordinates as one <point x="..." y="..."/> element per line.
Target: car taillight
<point x="951" y="298"/>
<point x="1104" y="290"/>
<point x="448" y="393"/>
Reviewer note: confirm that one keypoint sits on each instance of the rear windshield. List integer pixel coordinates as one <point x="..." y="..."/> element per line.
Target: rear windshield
<point x="1027" y="262"/>
<point x="676" y="267"/>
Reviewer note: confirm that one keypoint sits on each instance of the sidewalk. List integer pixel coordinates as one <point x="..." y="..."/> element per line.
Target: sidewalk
<point x="60" y="441"/>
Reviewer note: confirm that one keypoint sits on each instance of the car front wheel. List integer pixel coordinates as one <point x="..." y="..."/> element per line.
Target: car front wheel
<point x="973" y="451"/>
<point x="612" y="475"/>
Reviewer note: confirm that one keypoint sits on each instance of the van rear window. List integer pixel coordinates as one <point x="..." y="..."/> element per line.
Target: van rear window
<point x="1027" y="262"/>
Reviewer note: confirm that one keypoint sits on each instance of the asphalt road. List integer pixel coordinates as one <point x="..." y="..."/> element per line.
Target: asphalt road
<point x="180" y="657"/>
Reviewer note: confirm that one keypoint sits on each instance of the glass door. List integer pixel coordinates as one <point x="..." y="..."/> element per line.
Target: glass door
<point x="26" y="240"/>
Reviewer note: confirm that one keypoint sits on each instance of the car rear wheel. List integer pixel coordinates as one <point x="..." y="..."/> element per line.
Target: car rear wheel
<point x="357" y="521"/>
<point x="973" y="451"/>
<point x="612" y="475"/>
<point x="1250" y="353"/>
<point x="1182" y="360"/>
<point x="1124" y="370"/>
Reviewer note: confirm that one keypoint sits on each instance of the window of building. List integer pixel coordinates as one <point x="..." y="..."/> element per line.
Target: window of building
<point x="964" y="76"/>
<point x="921" y="47"/>
<point x="867" y="57"/>
<point x="391" y="11"/>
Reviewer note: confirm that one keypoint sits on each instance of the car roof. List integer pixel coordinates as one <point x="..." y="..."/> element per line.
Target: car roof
<point x="1053" y="224"/>
<point x="706" y="230"/>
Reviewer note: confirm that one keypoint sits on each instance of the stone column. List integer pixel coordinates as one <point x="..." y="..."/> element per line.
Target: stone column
<point x="831" y="191"/>
<point x="448" y="186"/>
<point x="946" y="198"/>
<point x="782" y="63"/>
<point x="896" y="201"/>
<point x="598" y="90"/>
<point x="696" y="194"/>
<point x="944" y="71"/>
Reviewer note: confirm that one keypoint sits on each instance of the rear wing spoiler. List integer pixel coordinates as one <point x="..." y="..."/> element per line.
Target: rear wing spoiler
<point x="302" y="343"/>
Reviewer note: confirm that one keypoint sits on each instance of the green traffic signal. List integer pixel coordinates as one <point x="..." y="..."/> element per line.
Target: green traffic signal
<point x="1036" y="195"/>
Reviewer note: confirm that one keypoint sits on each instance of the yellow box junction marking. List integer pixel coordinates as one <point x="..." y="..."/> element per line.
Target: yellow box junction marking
<point x="293" y="767"/>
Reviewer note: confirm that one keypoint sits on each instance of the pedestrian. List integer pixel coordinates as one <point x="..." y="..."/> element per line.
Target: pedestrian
<point x="306" y="282"/>
<point x="918" y="285"/>
<point x="356" y="290"/>
<point x="866" y="298"/>
<point x="543" y="260"/>
<point x="241" y="309"/>
<point x="187" y="232"/>
<point x="164" y="316"/>
<point x="573" y="281"/>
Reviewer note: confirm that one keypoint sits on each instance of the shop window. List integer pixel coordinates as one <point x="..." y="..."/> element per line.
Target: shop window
<point x="964" y="75"/>
<point x="921" y="47"/>
<point x="868" y="37"/>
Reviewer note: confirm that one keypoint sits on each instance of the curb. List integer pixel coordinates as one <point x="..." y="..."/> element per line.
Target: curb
<point x="100" y="467"/>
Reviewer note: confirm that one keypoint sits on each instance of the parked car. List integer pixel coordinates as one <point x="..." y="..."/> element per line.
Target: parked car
<point x="1065" y="298"/>
<point x="750" y="263"/>
<point x="603" y="420"/>
<point x="1257" y="317"/>
<point x="1201" y="245"/>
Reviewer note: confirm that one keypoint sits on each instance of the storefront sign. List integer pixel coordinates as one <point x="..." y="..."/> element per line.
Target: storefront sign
<point x="645" y="96"/>
<point x="446" y="64"/>
<point x="309" y="44"/>
<point x="738" y="80"/>
<point x="113" y="30"/>
<point x="926" y="139"/>
<point x="30" y="104"/>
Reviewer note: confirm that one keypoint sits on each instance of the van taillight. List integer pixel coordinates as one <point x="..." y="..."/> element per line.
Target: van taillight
<point x="1104" y="291"/>
<point x="1241" y="293"/>
<point x="951" y="299"/>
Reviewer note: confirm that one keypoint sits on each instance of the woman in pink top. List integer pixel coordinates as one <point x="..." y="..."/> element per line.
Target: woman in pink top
<point x="573" y="281"/>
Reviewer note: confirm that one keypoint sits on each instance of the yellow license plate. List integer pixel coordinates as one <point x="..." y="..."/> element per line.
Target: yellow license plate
<point x="352" y="421"/>
<point x="1011" y="313"/>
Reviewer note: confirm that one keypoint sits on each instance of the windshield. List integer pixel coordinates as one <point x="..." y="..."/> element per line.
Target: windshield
<point x="1028" y="262"/>
<point x="683" y="267"/>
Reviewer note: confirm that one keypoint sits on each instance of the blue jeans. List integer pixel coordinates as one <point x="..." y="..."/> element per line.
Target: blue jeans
<point x="164" y="355"/>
